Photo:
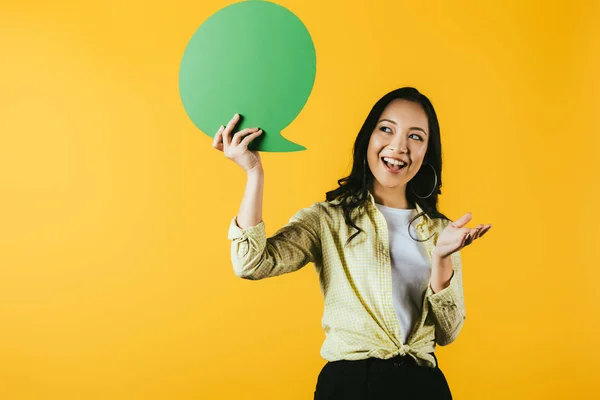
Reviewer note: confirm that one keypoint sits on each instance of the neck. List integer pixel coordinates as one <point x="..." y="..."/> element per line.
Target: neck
<point x="391" y="197"/>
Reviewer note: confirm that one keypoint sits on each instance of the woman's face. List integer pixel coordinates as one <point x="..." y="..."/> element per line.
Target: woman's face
<point x="402" y="133"/>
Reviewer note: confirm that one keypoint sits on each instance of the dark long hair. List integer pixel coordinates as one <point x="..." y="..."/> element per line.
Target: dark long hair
<point x="353" y="189"/>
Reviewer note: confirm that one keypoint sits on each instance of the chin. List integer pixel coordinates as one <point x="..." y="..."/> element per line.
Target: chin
<point x="391" y="183"/>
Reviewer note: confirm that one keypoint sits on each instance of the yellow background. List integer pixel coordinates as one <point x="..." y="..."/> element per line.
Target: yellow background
<point x="115" y="278"/>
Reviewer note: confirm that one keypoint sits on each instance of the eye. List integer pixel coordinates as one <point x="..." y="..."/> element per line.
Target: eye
<point x="383" y="128"/>
<point x="417" y="136"/>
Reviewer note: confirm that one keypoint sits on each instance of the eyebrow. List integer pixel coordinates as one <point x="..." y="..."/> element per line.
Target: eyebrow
<point x="411" y="128"/>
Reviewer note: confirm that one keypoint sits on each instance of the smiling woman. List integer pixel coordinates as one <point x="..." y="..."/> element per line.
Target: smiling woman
<point x="391" y="294"/>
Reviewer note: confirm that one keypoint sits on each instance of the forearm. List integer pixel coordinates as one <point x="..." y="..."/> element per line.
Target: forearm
<point x="446" y="299"/>
<point x="250" y="212"/>
<point x="441" y="272"/>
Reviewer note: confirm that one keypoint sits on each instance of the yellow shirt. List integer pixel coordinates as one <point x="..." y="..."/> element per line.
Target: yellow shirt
<point x="359" y="319"/>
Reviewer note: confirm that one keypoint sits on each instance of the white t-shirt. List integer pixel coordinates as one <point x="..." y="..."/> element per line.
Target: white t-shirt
<point x="411" y="268"/>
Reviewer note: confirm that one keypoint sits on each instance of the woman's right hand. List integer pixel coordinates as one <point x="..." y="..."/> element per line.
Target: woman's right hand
<point x="235" y="146"/>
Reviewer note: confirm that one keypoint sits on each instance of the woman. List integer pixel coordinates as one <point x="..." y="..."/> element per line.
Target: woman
<point x="388" y="261"/>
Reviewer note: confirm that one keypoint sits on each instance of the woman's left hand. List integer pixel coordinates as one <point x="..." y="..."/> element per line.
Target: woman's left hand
<point x="456" y="236"/>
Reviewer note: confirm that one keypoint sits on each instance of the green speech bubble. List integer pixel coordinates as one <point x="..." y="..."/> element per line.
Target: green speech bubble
<point x="255" y="58"/>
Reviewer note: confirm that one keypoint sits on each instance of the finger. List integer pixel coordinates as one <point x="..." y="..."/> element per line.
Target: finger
<point x="464" y="232"/>
<point x="228" y="129"/>
<point x="459" y="223"/>
<point x="462" y="235"/>
<point x="482" y="231"/>
<point x="485" y="230"/>
<point x="474" y="232"/>
<point x="249" y="138"/>
<point x="471" y="236"/>
<point x="467" y="240"/>
<point x="218" y="140"/>
<point x="237" y="137"/>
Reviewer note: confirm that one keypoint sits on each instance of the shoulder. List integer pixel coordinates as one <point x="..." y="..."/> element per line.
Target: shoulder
<point x="329" y="209"/>
<point x="323" y="213"/>
<point x="314" y="214"/>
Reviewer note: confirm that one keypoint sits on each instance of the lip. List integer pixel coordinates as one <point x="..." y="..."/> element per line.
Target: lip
<point x="395" y="158"/>
<point x="389" y="170"/>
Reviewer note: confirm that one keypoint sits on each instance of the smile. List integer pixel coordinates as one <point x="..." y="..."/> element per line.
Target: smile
<point x="392" y="168"/>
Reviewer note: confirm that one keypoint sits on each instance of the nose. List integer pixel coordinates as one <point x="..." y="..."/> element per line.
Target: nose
<point x="399" y="142"/>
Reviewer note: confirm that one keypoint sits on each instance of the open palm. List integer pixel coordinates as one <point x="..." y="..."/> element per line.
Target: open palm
<point x="456" y="236"/>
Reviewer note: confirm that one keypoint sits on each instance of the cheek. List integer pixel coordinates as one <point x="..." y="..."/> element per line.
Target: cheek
<point x="420" y="151"/>
<point x="376" y="144"/>
<point x="372" y="141"/>
<point x="372" y="150"/>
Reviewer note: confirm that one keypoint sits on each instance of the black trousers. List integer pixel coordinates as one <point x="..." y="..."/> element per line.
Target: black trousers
<point x="399" y="378"/>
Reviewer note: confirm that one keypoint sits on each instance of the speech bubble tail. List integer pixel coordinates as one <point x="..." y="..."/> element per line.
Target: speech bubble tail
<point x="274" y="142"/>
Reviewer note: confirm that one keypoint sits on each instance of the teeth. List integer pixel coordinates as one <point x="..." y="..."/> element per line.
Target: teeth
<point x="392" y="161"/>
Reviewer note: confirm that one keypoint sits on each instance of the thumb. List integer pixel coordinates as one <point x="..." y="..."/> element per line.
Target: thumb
<point x="459" y="223"/>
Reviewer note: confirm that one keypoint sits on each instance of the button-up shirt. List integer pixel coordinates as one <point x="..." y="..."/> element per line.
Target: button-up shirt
<point x="359" y="319"/>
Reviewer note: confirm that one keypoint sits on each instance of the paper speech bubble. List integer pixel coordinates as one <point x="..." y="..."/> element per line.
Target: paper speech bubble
<point x="255" y="58"/>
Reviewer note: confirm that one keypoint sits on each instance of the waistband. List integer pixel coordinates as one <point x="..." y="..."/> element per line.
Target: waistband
<point x="397" y="361"/>
<point x="400" y="361"/>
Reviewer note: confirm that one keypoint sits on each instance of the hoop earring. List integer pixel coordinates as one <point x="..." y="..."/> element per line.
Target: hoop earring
<point x="435" y="185"/>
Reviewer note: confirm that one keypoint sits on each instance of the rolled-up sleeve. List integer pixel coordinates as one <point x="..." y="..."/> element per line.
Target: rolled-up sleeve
<point x="448" y="306"/>
<point x="254" y="256"/>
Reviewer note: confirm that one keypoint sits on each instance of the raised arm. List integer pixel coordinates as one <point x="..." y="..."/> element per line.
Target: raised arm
<point x="253" y="255"/>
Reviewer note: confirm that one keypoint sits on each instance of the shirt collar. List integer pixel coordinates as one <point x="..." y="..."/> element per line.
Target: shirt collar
<point x="423" y="227"/>
<point x="372" y="200"/>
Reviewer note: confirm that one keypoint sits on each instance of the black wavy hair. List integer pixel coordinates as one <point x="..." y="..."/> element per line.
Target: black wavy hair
<point x="353" y="189"/>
